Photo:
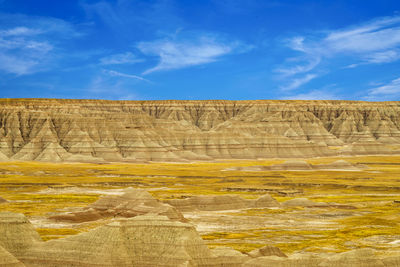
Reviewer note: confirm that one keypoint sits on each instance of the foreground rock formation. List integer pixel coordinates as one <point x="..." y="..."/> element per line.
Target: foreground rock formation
<point x="90" y="130"/>
<point x="222" y="202"/>
<point x="133" y="202"/>
<point x="17" y="234"/>
<point x="8" y="260"/>
<point x="359" y="257"/>
<point x="301" y="165"/>
<point x="153" y="240"/>
<point x="140" y="241"/>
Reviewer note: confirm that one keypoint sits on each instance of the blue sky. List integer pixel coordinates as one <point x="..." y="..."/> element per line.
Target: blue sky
<point x="205" y="49"/>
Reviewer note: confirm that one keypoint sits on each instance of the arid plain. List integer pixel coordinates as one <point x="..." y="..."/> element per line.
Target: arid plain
<point x="254" y="183"/>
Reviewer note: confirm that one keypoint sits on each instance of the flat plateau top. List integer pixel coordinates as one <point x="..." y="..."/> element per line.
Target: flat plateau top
<point x="13" y="101"/>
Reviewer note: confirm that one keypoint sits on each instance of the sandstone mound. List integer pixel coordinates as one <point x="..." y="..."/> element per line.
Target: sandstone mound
<point x="264" y="202"/>
<point x="364" y="257"/>
<point x="336" y="165"/>
<point x="209" y="203"/>
<point x="292" y="165"/>
<point x="295" y="260"/>
<point x="132" y="203"/>
<point x="2" y="200"/>
<point x="138" y="241"/>
<point x="303" y="202"/>
<point x="17" y="233"/>
<point x="96" y="130"/>
<point x="301" y="165"/>
<point x="8" y="260"/>
<point x="391" y="260"/>
<point x="360" y="257"/>
<point x="227" y="257"/>
<point x="3" y="157"/>
<point x="256" y="168"/>
<point x="267" y="251"/>
<point x="221" y="202"/>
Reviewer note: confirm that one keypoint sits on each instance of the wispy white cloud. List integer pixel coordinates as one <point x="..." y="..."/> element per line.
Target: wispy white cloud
<point x="123" y="58"/>
<point x="310" y="64"/>
<point x="20" y="31"/>
<point x="297" y="82"/>
<point x="180" y="53"/>
<point x="313" y="95"/>
<point x="111" y="86"/>
<point x="374" y="42"/>
<point x="26" y="43"/>
<point x="389" y="91"/>
<point x="16" y="65"/>
<point x="379" y="37"/>
<point x="383" y="57"/>
<point x="120" y="74"/>
<point x="377" y="58"/>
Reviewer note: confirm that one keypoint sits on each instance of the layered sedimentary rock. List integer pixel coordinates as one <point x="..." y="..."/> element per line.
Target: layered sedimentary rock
<point x="139" y="241"/>
<point x="132" y="203"/>
<point x="2" y="200"/>
<point x="303" y="202"/>
<point x="153" y="240"/>
<point x="17" y="234"/>
<point x="291" y="165"/>
<point x="87" y="130"/>
<point x="297" y="260"/>
<point x="359" y="257"/>
<point x="8" y="260"/>
<point x="222" y="202"/>
<point x="267" y="251"/>
<point x="301" y="165"/>
<point x="228" y="257"/>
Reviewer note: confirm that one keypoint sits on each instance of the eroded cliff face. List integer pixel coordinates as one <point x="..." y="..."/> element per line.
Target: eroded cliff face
<point x="92" y="130"/>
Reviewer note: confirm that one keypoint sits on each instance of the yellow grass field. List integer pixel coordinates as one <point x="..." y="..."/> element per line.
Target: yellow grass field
<point x="365" y="210"/>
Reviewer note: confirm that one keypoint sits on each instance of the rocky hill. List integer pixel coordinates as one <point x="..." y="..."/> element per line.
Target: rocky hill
<point x="97" y="130"/>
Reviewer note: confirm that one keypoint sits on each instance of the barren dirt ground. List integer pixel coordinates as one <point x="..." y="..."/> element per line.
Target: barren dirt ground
<point x="360" y="207"/>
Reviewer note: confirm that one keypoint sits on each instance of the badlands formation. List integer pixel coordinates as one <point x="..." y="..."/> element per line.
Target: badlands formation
<point x="199" y="183"/>
<point x="95" y="130"/>
<point x="153" y="240"/>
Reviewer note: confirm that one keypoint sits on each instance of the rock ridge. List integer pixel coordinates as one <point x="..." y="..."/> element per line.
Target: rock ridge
<point x="176" y="130"/>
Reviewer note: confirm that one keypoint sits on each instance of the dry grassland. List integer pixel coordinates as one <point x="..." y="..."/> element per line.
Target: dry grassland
<point x="364" y="210"/>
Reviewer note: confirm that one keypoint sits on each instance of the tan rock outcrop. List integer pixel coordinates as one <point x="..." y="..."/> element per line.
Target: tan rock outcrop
<point x="303" y="202"/>
<point x="132" y="203"/>
<point x="138" y="241"/>
<point x="17" y="234"/>
<point x="337" y="165"/>
<point x="8" y="260"/>
<point x="359" y="257"/>
<point x="264" y="201"/>
<point x="95" y="130"/>
<point x="221" y="202"/>
<point x="301" y="165"/>
<point x="3" y="157"/>
<point x="267" y="251"/>
<point x="295" y="260"/>
<point x="154" y="240"/>
<point x="227" y="257"/>
<point x="391" y="260"/>
<point x="292" y="165"/>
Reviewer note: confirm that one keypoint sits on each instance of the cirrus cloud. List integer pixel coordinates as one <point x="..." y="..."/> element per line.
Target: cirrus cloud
<point x="177" y="53"/>
<point x="27" y="42"/>
<point x="373" y="42"/>
<point x="389" y="91"/>
<point x="123" y="58"/>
